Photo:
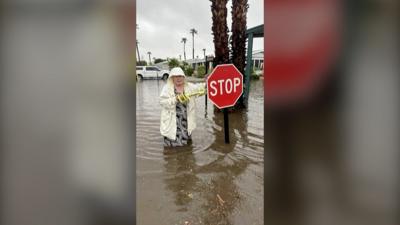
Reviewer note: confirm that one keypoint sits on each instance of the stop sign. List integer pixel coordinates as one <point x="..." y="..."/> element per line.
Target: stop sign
<point x="224" y="85"/>
<point x="302" y="43"/>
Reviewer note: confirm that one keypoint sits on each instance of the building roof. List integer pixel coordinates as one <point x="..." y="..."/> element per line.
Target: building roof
<point x="199" y="60"/>
<point x="257" y="31"/>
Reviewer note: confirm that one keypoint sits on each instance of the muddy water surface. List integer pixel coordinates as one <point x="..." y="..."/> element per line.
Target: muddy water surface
<point x="209" y="182"/>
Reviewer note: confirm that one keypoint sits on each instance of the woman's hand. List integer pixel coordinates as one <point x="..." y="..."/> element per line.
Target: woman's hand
<point x="182" y="98"/>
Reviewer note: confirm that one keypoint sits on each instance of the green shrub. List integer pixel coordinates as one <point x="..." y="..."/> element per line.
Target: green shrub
<point x="141" y="63"/>
<point x="173" y="63"/>
<point x="189" y="71"/>
<point x="253" y="75"/>
<point x="201" y="71"/>
<point x="186" y="68"/>
<point x="158" y="60"/>
<point x="185" y="64"/>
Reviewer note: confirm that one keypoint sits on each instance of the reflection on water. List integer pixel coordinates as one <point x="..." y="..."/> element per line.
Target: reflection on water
<point x="208" y="182"/>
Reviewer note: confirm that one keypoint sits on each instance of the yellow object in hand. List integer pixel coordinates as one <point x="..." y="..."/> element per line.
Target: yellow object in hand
<point x="183" y="98"/>
<point x="200" y="92"/>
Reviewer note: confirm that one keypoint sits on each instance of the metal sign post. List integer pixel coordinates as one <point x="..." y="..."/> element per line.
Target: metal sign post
<point x="226" y="125"/>
<point x="224" y="88"/>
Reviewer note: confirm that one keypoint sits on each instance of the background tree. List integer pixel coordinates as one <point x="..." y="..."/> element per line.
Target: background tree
<point x="137" y="48"/>
<point x="173" y="63"/>
<point x="193" y="32"/>
<point x="137" y="45"/>
<point x="184" y="47"/>
<point x="158" y="60"/>
<point x="141" y="63"/>
<point x="149" y="53"/>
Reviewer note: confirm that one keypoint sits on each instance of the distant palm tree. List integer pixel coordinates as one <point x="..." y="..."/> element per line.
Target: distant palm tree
<point x="193" y="32"/>
<point x="137" y="44"/>
<point x="149" y="53"/>
<point x="137" y="48"/>
<point x="205" y="58"/>
<point x="220" y="31"/>
<point x="184" y="49"/>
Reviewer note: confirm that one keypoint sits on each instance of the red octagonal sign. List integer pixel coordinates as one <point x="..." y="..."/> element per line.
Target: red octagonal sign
<point x="224" y="85"/>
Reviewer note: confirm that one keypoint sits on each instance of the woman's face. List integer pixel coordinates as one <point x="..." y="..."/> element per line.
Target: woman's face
<point x="178" y="80"/>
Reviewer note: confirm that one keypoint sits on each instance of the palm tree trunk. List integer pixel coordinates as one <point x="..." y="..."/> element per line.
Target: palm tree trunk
<point x="220" y="31"/>
<point x="238" y="42"/>
<point x="138" y="54"/>
<point x="193" y="43"/>
<point x="184" y="50"/>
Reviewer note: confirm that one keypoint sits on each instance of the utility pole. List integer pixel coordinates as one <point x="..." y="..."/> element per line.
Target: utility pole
<point x="206" y="71"/>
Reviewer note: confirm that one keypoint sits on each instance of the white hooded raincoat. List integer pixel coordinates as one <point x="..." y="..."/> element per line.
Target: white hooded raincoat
<point x="168" y="111"/>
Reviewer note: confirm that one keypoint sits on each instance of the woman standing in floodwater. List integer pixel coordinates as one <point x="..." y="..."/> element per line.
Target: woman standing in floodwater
<point x="178" y="115"/>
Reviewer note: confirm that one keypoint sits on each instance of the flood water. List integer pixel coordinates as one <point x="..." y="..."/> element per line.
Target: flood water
<point x="209" y="182"/>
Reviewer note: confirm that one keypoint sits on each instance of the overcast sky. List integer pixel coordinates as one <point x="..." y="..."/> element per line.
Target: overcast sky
<point x="162" y="24"/>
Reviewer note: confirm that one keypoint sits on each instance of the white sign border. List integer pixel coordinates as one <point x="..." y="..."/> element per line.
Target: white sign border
<point x="229" y="64"/>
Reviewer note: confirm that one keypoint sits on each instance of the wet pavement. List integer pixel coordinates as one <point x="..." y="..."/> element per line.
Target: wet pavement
<point x="208" y="182"/>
